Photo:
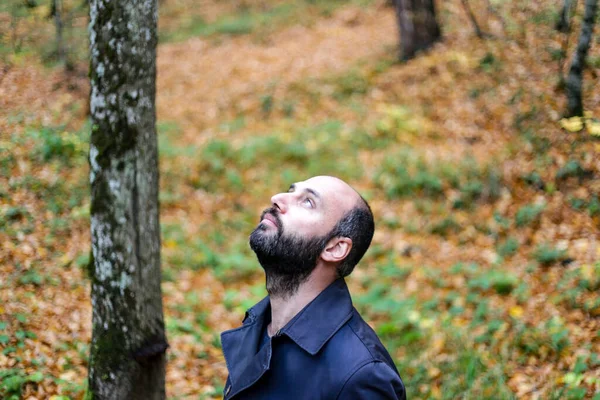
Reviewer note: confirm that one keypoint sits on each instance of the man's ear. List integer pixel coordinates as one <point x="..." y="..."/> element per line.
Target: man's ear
<point x="336" y="249"/>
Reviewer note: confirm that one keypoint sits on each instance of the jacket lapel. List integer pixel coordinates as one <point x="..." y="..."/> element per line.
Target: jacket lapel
<point x="239" y="345"/>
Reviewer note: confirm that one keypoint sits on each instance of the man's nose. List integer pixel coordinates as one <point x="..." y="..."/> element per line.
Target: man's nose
<point x="280" y="200"/>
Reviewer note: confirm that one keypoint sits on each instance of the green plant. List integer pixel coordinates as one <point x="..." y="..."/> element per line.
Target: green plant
<point x="266" y="104"/>
<point x="502" y="282"/>
<point x="528" y="214"/>
<point x="13" y="215"/>
<point x="534" y="179"/>
<point x="406" y="173"/>
<point x="572" y="169"/>
<point x="445" y="226"/>
<point x="348" y="84"/>
<point x="489" y="63"/>
<point x="547" y="255"/>
<point x="592" y="206"/>
<point x="508" y="247"/>
<point x="31" y="276"/>
<point x="12" y="381"/>
<point x="552" y="335"/>
<point x="56" y="143"/>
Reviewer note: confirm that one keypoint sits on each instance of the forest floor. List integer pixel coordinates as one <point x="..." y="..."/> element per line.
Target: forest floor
<point x="484" y="273"/>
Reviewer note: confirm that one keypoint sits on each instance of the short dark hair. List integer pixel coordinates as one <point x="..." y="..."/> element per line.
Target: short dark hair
<point x="358" y="225"/>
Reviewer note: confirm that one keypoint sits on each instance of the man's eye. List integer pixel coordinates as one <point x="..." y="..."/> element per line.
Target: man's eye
<point x="308" y="202"/>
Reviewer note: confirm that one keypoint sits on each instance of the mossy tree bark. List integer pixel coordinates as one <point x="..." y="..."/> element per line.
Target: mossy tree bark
<point x="575" y="77"/>
<point x="127" y="356"/>
<point x="418" y="26"/>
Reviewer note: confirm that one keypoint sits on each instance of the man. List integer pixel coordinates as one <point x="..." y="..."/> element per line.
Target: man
<point x="306" y="340"/>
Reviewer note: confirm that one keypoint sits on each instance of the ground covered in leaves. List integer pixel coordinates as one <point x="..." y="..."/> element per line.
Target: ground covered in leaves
<point x="484" y="274"/>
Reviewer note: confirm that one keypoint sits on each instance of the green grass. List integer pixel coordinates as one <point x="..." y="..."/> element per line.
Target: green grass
<point x="406" y="173"/>
<point x="13" y="380"/>
<point x="572" y="169"/>
<point x="508" y="247"/>
<point x="407" y="325"/>
<point x="255" y="20"/>
<point x="296" y="152"/>
<point x="547" y="255"/>
<point x="528" y="214"/>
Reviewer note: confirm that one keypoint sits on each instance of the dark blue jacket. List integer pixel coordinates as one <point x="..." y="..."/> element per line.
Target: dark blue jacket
<point x="327" y="351"/>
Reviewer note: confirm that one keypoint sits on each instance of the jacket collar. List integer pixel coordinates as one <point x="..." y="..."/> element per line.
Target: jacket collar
<point x="316" y="323"/>
<point x="310" y="329"/>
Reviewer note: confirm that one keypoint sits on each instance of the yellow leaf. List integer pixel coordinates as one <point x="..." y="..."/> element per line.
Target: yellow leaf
<point x="65" y="260"/>
<point x="573" y="124"/>
<point x="593" y="128"/>
<point x="170" y="244"/>
<point x="516" y="311"/>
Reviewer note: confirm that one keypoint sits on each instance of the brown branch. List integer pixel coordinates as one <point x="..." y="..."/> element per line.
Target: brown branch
<point x="480" y="34"/>
<point x="496" y="14"/>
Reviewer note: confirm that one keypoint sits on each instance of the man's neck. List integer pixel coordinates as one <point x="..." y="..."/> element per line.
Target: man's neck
<point x="283" y="309"/>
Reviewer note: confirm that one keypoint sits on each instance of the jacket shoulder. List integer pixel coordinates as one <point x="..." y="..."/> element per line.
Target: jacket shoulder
<point x="361" y="362"/>
<point x="369" y="340"/>
<point x="354" y="345"/>
<point x="373" y="381"/>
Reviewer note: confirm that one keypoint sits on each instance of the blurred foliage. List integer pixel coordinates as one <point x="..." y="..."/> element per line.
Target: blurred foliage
<point x="483" y="277"/>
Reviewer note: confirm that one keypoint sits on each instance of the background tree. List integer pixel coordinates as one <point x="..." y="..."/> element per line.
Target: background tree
<point x="575" y="77"/>
<point x="127" y="359"/>
<point x="563" y="23"/>
<point x="418" y="26"/>
<point x="57" y="13"/>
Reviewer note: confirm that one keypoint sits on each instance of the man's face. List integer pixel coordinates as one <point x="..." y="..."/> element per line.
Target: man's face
<point x="310" y="208"/>
<point x="293" y="232"/>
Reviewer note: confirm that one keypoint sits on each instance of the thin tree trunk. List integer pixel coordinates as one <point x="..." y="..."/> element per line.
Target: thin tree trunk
<point x="58" y="23"/>
<point x="563" y="23"/>
<point x="14" y="22"/>
<point x="575" y="77"/>
<point x="471" y="16"/>
<point x="127" y="355"/>
<point x="419" y="29"/>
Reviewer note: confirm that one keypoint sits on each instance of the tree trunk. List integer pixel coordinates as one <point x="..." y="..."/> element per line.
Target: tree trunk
<point x="418" y="26"/>
<point x="575" y="77"/>
<point x="58" y="23"/>
<point x="563" y="23"/>
<point x="127" y="355"/>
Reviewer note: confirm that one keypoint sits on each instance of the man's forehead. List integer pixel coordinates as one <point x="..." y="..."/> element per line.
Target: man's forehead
<point x="329" y="188"/>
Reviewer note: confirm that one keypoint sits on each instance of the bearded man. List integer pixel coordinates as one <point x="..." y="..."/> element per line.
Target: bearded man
<point x="305" y="340"/>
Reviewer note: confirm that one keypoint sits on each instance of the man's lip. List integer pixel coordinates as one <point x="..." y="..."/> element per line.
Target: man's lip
<point x="270" y="218"/>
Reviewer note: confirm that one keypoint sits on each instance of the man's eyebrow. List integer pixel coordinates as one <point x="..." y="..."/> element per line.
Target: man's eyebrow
<point x="309" y="190"/>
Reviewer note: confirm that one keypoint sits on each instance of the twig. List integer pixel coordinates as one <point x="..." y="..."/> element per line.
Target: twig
<point x="480" y="34"/>
<point x="496" y="14"/>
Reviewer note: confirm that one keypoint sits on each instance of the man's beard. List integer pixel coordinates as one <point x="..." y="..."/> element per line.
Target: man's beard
<point x="287" y="260"/>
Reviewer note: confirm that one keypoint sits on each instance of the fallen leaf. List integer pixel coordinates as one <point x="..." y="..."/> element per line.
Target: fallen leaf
<point x="516" y="311"/>
<point x="593" y="128"/>
<point x="573" y="124"/>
